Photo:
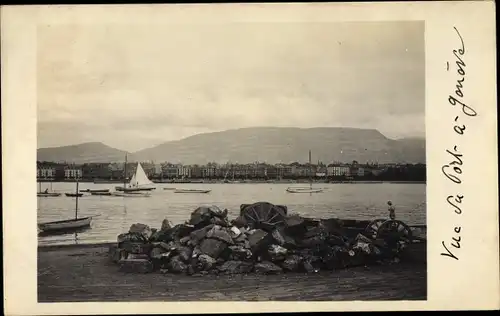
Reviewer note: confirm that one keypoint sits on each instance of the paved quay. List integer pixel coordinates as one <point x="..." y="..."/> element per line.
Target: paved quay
<point x="84" y="273"/>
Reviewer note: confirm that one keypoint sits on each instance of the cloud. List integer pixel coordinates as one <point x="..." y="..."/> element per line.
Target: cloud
<point x="157" y="83"/>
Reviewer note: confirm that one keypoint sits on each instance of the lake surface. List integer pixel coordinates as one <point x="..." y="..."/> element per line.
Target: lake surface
<point x="348" y="201"/>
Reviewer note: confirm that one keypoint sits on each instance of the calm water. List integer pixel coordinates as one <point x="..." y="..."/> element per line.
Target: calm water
<point x="353" y="201"/>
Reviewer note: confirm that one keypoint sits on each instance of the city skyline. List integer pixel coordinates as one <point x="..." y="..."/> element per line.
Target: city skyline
<point x="126" y="87"/>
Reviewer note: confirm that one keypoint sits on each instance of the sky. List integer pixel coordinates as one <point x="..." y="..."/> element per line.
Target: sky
<point x="137" y="86"/>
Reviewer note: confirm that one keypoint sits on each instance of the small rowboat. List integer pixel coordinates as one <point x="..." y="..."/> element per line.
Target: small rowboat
<point x="131" y="194"/>
<point x="74" y="194"/>
<point x="171" y="189"/>
<point x="48" y="194"/>
<point x="119" y="188"/>
<point x="100" y="193"/>
<point x="68" y="224"/>
<point x="191" y="191"/>
<point x="303" y="190"/>
<point x="95" y="190"/>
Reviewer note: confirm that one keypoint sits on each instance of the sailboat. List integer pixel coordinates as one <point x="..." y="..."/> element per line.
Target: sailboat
<point x="137" y="184"/>
<point x="309" y="189"/>
<point x="69" y="224"/>
<point x="46" y="193"/>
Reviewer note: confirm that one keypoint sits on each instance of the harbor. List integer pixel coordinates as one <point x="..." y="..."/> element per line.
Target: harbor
<point x="357" y="201"/>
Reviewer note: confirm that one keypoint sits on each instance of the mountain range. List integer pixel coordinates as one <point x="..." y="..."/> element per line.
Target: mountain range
<point x="265" y="144"/>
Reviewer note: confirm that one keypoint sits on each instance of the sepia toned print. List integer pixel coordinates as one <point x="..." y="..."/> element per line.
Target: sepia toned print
<point x="248" y="161"/>
<point x="256" y="157"/>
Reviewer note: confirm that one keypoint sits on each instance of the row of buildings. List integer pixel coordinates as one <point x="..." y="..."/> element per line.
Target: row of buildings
<point x="165" y="171"/>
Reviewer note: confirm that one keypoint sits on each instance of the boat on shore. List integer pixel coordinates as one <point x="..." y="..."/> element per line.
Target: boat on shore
<point x="191" y="191"/>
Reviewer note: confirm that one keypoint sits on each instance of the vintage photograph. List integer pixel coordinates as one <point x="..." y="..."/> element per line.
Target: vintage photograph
<point x="242" y="161"/>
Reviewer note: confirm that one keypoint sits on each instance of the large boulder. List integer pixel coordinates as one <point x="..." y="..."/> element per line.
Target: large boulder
<point x="205" y="262"/>
<point x="197" y="235"/>
<point x="141" y="229"/>
<point x="259" y="240"/>
<point x="203" y="216"/>
<point x="217" y="232"/>
<point x="212" y="247"/>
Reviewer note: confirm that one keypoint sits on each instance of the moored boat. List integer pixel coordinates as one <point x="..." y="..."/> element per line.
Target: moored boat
<point x="101" y="193"/>
<point x="139" y="182"/>
<point x="65" y="224"/>
<point x="95" y="190"/>
<point x="303" y="190"/>
<point x="74" y="194"/>
<point x="171" y="189"/>
<point x="48" y="194"/>
<point x="131" y="194"/>
<point x="191" y="191"/>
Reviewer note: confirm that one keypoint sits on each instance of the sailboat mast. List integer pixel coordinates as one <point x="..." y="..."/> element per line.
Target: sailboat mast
<point x="76" y="207"/>
<point x="125" y="173"/>
<point x="310" y="170"/>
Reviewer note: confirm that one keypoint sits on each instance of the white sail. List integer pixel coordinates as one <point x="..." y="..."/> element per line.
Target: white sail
<point x="140" y="178"/>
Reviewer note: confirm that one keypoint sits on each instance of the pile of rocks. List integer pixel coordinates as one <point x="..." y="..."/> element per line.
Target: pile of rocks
<point x="263" y="239"/>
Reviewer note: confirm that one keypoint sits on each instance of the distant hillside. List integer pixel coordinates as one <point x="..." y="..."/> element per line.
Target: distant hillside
<point x="265" y="144"/>
<point x="82" y="153"/>
<point x="287" y="145"/>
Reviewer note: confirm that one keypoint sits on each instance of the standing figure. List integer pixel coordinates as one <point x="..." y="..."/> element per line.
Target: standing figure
<point x="392" y="211"/>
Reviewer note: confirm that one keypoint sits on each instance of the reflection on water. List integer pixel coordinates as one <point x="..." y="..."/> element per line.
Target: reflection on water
<point x="353" y="201"/>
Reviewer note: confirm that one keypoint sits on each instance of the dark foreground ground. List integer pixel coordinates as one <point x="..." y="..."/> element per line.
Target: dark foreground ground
<point x="84" y="273"/>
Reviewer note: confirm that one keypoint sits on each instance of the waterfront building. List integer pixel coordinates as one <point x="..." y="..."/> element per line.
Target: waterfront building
<point x="341" y="170"/>
<point x="72" y="173"/>
<point x="183" y="171"/>
<point x="46" y="173"/>
<point x="170" y="171"/>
